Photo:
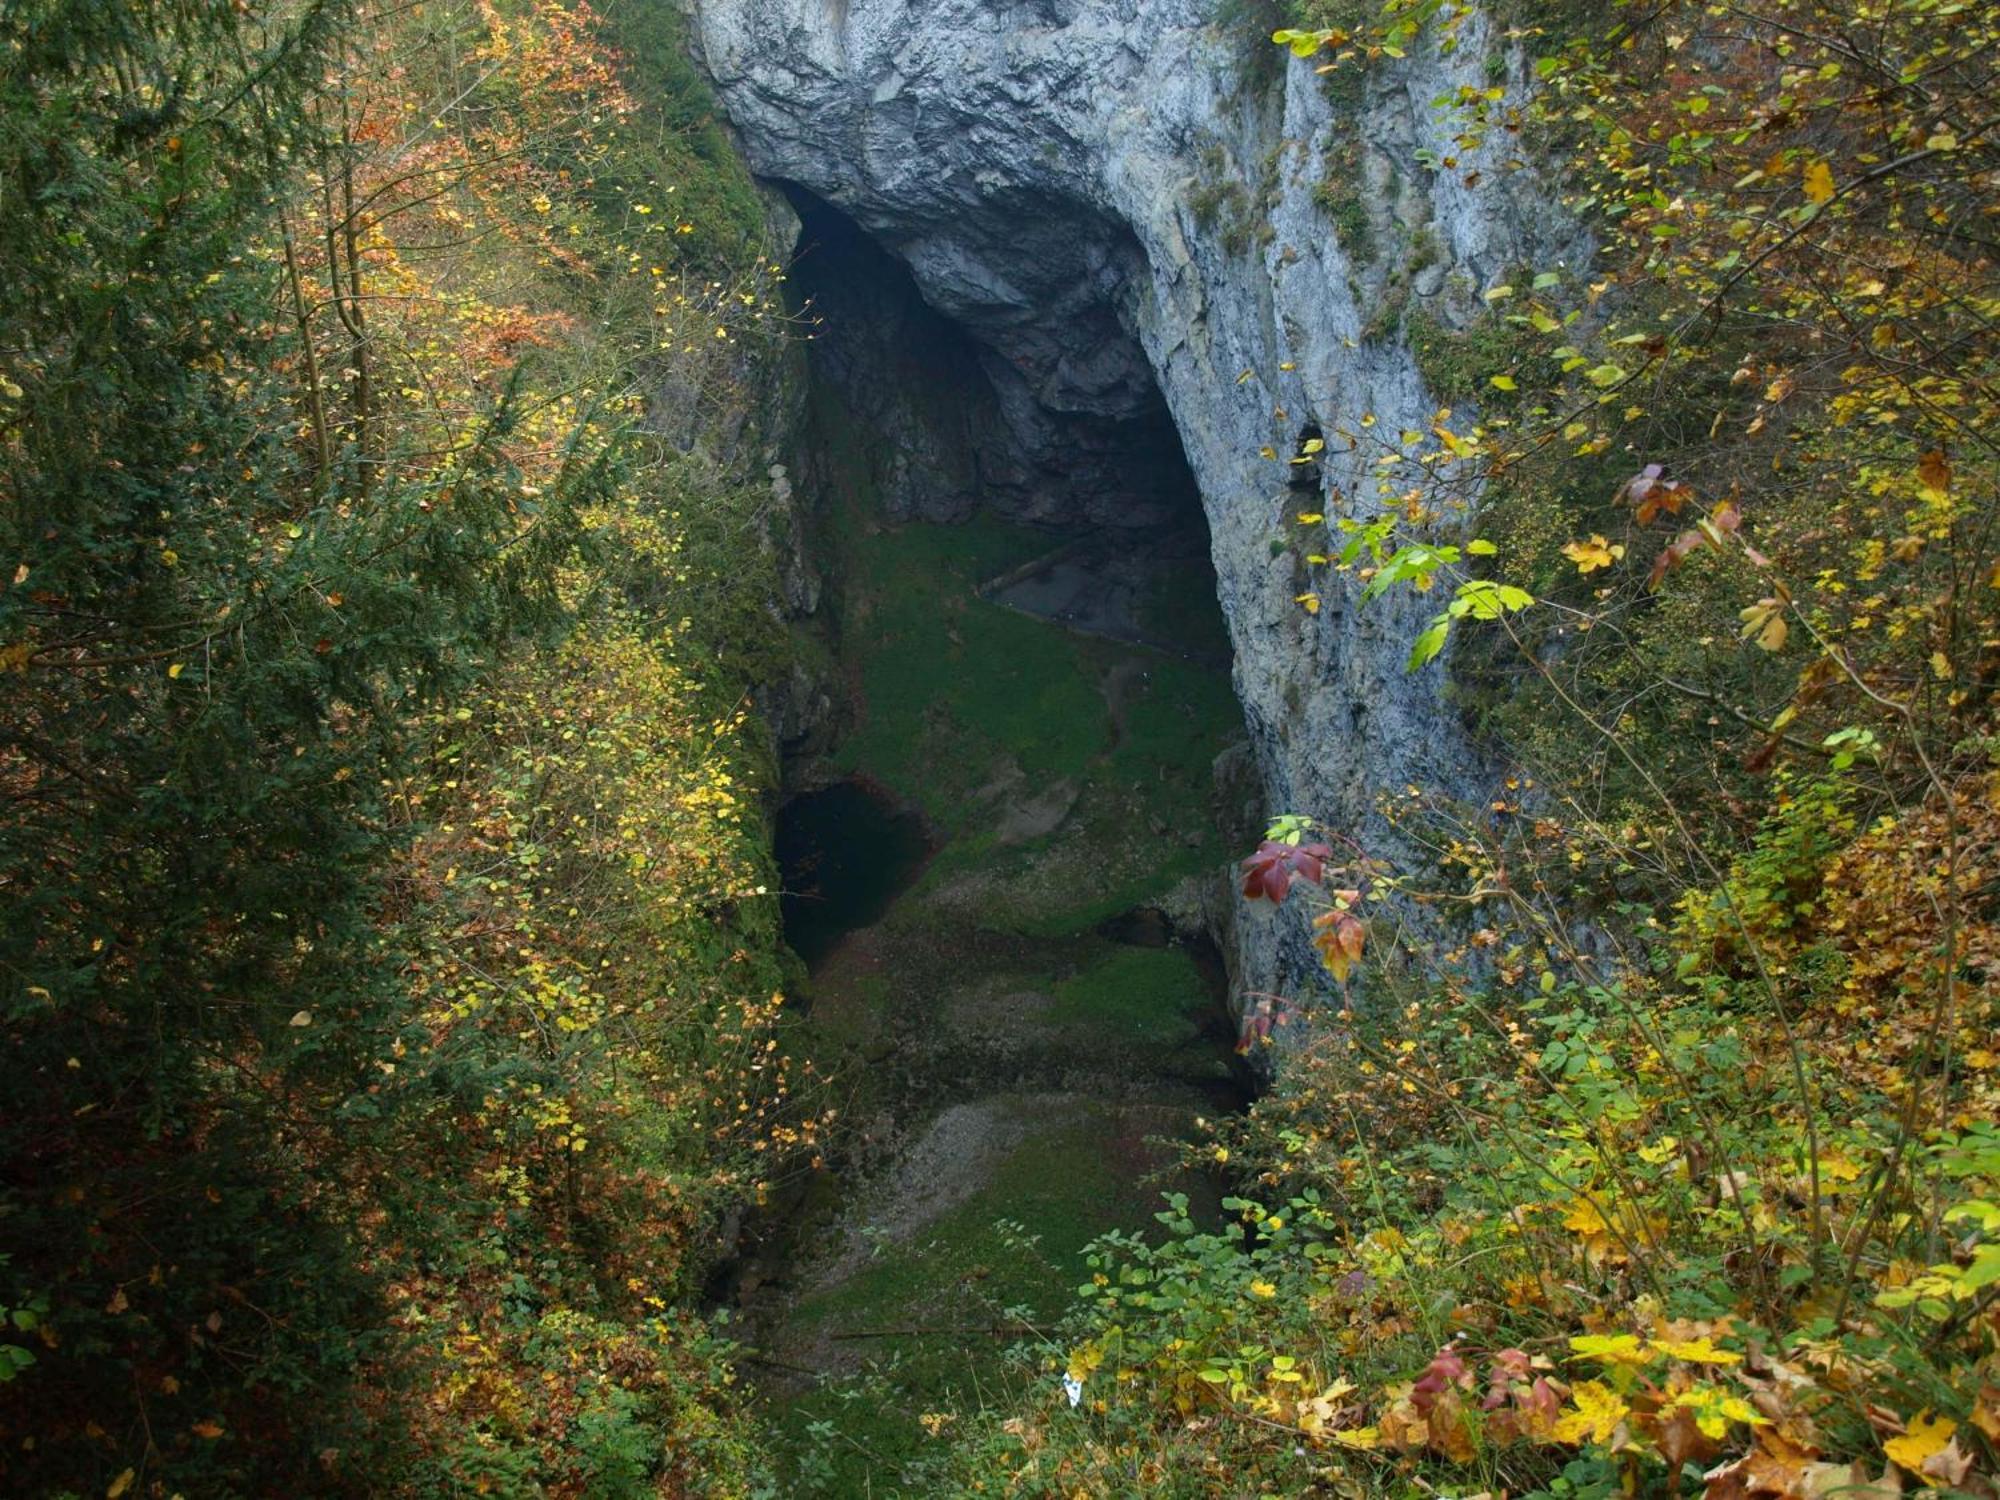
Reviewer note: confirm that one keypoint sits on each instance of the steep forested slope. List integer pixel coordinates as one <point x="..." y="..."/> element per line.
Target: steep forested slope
<point x="388" y="965"/>
<point x="1592" y="408"/>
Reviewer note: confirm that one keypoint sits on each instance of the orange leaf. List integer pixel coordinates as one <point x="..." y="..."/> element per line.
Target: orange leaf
<point x="1986" y="1412"/>
<point x="1934" y="474"/>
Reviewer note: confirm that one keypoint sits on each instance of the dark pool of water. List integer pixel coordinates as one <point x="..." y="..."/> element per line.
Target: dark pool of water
<point x="845" y="852"/>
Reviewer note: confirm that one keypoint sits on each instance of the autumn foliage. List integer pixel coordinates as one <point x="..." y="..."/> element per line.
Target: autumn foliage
<point x="390" y="1006"/>
<point x="1646" y="1139"/>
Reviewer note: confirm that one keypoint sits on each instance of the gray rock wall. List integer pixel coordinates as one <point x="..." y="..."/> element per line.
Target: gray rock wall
<point x="1110" y="198"/>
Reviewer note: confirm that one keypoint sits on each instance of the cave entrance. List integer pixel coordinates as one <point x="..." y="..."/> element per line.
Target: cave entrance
<point x="991" y="411"/>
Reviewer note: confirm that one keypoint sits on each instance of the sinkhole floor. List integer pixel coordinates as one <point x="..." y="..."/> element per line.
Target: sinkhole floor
<point x="1010" y="1079"/>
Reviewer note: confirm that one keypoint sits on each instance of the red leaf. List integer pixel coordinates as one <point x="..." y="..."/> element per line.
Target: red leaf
<point x="1268" y="874"/>
<point x="1650" y="493"/>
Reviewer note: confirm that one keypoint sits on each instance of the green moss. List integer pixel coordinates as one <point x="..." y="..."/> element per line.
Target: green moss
<point x="1386" y="320"/>
<point x="1221" y="203"/>
<point x="957" y="693"/>
<point x="1251" y="23"/>
<point x="975" y="711"/>
<point x="691" y="152"/>
<point x="1424" y="250"/>
<point x="1458" y="365"/>
<point x="1177" y="612"/>
<point x="1151" y="995"/>
<point x="1337" y="196"/>
<point x="951" y="685"/>
<point x="1210" y="202"/>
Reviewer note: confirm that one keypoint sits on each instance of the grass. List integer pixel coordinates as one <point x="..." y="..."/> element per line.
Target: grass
<point x="1148" y="995"/>
<point x="1164" y="615"/>
<point x="1338" y="196"/>
<point x="1011" y="1251"/>
<point x="952" y="686"/>
<point x="957" y="693"/>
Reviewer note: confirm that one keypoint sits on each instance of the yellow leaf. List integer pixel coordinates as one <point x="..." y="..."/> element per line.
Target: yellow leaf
<point x="1584" y="1218"/>
<point x="1593" y="554"/>
<point x="1986" y="1412"/>
<point x="1615" y="1348"/>
<point x="1502" y="382"/>
<point x="1697" y="1351"/>
<point x="1459" y="446"/>
<point x="1714" y="1409"/>
<point x="1310" y="601"/>
<point x="176" y="669"/>
<point x="1263" y="1289"/>
<point x="1594" y="1416"/>
<point x="1764" y="622"/>
<point x="1363" y="1438"/>
<point x="1940" y="665"/>
<point x="1819" y="182"/>
<point x="1923" y="1436"/>
<point x="1084" y="1359"/>
<point x="120" y="1485"/>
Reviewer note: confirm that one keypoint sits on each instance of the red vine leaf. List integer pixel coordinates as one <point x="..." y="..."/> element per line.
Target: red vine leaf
<point x="1268" y="874"/>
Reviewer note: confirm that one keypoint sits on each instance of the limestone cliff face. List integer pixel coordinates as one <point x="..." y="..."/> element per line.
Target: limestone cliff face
<point x="1115" y="206"/>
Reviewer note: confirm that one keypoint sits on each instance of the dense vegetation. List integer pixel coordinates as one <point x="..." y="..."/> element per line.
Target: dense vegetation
<point x="1645" y="1142"/>
<point x="387" y="969"/>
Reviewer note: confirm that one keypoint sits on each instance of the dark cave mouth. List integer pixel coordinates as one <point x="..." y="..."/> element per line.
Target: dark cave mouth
<point x="953" y="428"/>
<point x="845" y="852"/>
<point x="1043" y="413"/>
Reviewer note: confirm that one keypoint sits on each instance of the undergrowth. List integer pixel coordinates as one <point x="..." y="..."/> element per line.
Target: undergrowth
<point x="1643" y="1137"/>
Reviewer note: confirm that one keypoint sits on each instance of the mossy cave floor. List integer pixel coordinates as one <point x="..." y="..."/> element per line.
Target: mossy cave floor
<point x="1010" y="1078"/>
